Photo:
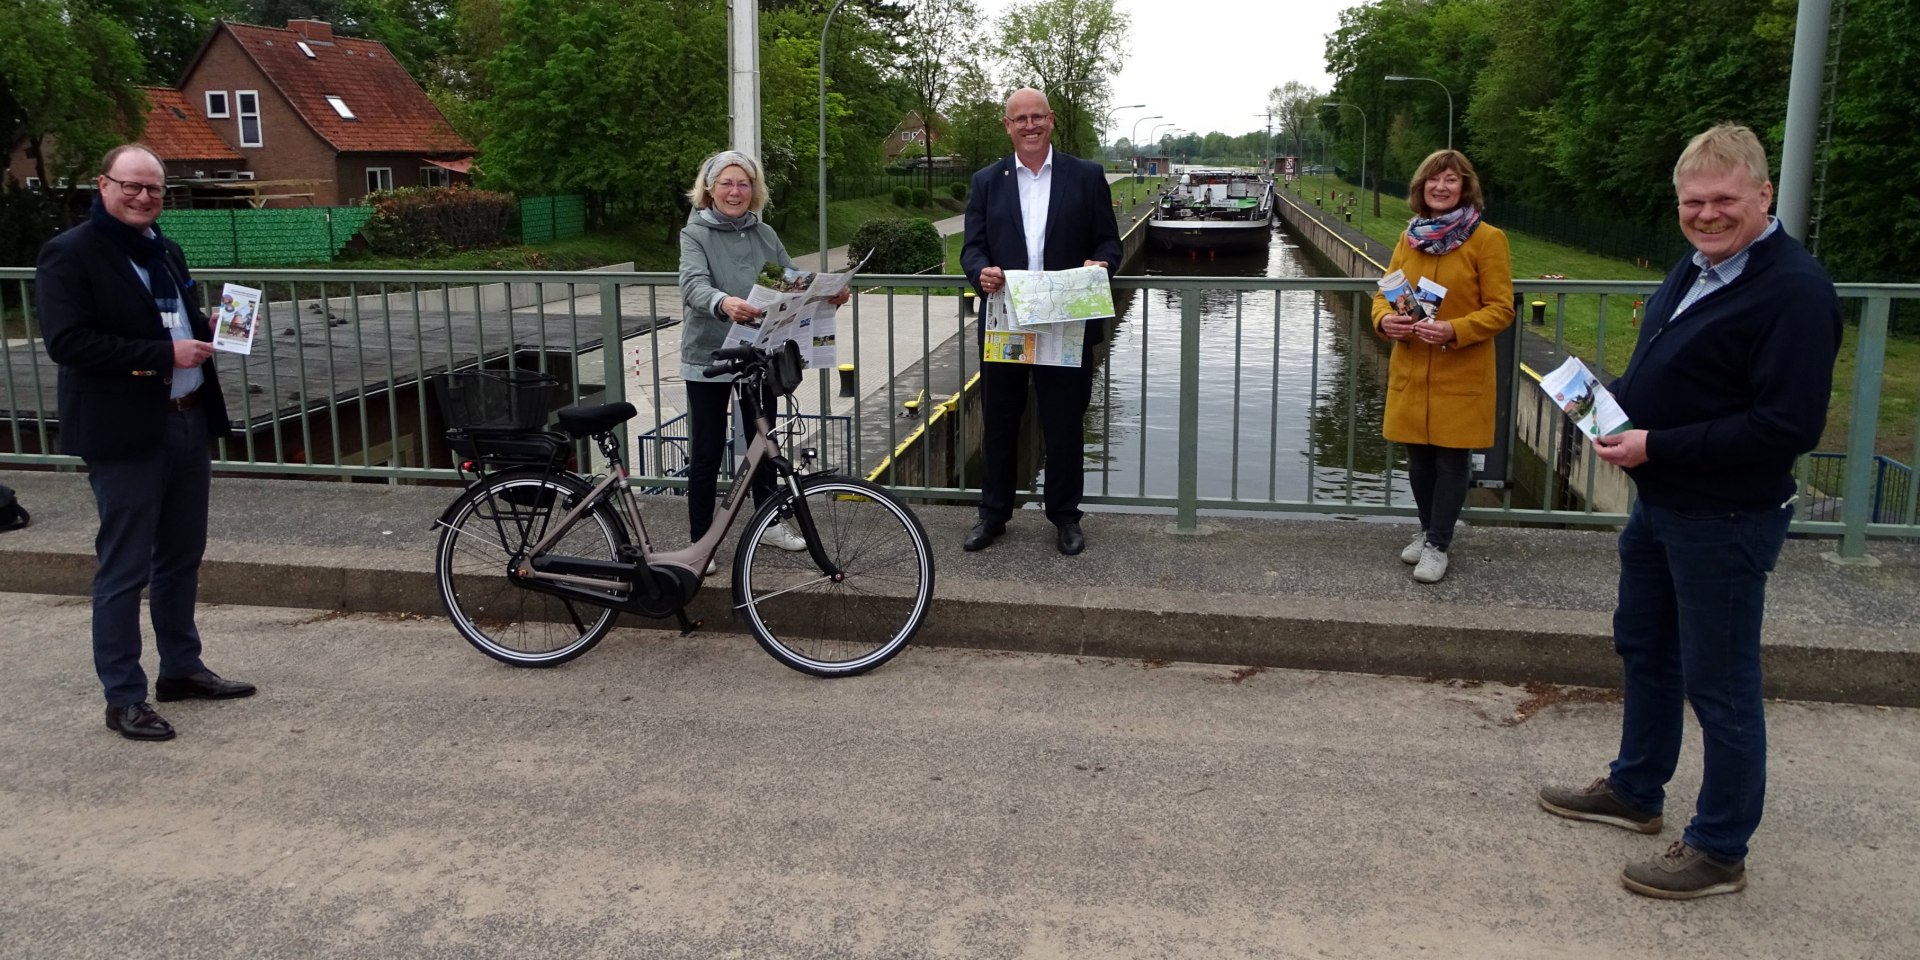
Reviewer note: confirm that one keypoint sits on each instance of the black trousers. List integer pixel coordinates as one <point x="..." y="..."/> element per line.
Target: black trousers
<point x="153" y="530"/>
<point x="1063" y="394"/>
<point x="1438" y="476"/>
<point x="707" y="413"/>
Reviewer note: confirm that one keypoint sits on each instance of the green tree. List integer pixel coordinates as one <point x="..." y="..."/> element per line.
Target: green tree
<point x="1295" y="107"/>
<point x="1068" y="49"/>
<point x="69" y="85"/>
<point x="976" y="134"/>
<point x="933" y="41"/>
<point x="609" y="98"/>
<point x="1868" y="204"/>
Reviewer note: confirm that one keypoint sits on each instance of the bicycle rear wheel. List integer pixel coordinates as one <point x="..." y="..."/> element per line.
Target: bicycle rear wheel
<point x="828" y="629"/>
<point x="485" y="532"/>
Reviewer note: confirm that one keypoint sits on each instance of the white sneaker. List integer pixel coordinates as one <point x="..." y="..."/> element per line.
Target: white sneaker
<point x="713" y="567"/>
<point x="1412" y="553"/>
<point x="1433" y="565"/>
<point x="783" y="535"/>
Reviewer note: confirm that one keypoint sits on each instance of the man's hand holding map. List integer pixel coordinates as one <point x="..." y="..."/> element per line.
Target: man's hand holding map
<point x="1041" y="317"/>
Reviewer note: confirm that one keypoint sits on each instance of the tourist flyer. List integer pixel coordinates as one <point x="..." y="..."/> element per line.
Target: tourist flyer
<point x="235" y="320"/>
<point x="1419" y="300"/>
<point x="1045" y="345"/>
<point x="1036" y="297"/>
<point x="796" y="306"/>
<point x="1577" y="391"/>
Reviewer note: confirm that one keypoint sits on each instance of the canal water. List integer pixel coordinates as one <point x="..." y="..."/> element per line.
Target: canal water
<point x="1291" y="396"/>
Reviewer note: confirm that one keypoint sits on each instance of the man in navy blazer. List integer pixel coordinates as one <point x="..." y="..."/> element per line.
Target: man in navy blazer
<point x="140" y="404"/>
<point x="1038" y="209"/>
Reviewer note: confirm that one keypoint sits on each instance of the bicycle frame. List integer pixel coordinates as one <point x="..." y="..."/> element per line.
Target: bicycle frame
<point x="693" y="558"/>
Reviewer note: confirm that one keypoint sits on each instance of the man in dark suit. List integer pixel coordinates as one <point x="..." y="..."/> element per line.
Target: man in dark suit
<point x="1036" y="210"/>
<point x="140" y="404"/>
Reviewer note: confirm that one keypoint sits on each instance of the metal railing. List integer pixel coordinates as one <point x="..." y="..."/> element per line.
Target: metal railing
<point x="1213" y="394"/>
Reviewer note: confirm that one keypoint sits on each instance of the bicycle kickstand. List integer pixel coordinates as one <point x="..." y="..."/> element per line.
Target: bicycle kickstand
<point x="687" y="627"/>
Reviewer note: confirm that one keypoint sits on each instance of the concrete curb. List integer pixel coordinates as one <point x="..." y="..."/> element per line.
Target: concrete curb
<point x="1498" y="644"/>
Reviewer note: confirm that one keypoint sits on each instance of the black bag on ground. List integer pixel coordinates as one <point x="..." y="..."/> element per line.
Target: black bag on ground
<point x="13" y="516"/>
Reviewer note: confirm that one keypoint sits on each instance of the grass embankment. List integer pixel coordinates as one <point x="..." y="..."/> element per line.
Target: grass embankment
<point x="1580" y="317"/>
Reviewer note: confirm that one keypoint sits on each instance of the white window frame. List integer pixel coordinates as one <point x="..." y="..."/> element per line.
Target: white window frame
<point x="226" y="105"/>
<point x="302" y="44"/>
<point x="33" y="183"/>
<point x="340" y="107"/>
<point x="242" y="115"/>
<point x="436" y="177"/>
<point x="243" y="174"/>
<point x="384" y="182"/>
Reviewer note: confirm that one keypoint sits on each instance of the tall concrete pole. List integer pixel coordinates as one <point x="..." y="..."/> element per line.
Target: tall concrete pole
<point x="1803" y="116"/>
<point x="743" y="85"/>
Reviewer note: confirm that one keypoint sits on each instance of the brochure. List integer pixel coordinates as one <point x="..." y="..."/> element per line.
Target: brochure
<point x="1577" y="391"/>
<point x="796" y="306"/>
<point x="1419" y="300"/>
<point x="1044" y="345"/>
<point x="236" y="319"/>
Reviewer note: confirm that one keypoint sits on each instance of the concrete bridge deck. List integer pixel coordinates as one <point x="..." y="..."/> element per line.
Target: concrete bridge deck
<point x="1520" y="605"/>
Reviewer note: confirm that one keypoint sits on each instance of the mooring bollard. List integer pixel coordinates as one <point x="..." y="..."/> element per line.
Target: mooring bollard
<point x="847" y="388"/>
<point x="1539" y="313"/>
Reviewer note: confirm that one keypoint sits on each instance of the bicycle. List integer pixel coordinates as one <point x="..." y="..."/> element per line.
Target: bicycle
<point x="535" y="562"/>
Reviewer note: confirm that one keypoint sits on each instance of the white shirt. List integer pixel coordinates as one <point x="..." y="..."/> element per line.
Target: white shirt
<point x="1036" y="192"/>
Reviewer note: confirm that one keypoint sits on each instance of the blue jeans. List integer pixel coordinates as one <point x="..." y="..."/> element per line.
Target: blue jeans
<point x="1692" y="588"/>
<point x="153" y="529"/>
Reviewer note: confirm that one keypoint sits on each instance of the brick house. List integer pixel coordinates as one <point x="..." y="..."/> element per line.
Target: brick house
<point x="330" y="118"/>
<point x="177" y="133"/>
<point x="905" y="138"/>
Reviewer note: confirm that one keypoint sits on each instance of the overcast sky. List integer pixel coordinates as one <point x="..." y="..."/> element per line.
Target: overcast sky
<point x="1208" y="64"/>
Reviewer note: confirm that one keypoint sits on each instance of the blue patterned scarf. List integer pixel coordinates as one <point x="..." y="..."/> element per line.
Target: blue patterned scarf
<point x="1440" y="235"/>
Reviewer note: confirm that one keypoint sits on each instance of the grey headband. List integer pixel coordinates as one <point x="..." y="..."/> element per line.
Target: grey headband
<point x="724" y="159"/>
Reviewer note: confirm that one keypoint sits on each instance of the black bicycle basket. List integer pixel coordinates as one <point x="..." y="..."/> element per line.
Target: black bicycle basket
<point x="785" y="370"/>
<point x="495" y="399"/>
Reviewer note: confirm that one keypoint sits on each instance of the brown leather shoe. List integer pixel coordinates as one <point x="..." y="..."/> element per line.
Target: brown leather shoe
<point x="205" y="685"/>
<point x="137" y="721"/>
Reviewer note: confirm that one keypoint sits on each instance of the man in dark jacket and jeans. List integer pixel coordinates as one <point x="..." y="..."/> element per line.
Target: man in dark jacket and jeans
<point x="1727" y="386"/>
<point x="140" y="404"/>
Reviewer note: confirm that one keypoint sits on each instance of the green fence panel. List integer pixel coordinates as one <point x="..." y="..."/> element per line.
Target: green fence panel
<point x="252" y="238"/>
<point x="552" y="218"/>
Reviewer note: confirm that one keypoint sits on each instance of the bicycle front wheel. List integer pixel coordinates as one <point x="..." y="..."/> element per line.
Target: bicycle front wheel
<point x="485" y="532"/>
<point x="814" y="624"/>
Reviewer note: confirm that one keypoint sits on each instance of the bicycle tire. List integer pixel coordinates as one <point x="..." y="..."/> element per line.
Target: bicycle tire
<point x="839" y="629"/>
<point x="485" y="531"/>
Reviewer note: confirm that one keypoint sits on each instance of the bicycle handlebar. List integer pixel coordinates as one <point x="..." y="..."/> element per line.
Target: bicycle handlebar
<point x="732" y="360"/>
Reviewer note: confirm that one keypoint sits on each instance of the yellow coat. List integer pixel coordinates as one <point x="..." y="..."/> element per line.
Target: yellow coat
<point x="1444" y="396"/>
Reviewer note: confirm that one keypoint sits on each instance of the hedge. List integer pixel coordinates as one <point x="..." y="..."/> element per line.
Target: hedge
<point x="418" y="221"/>
<point x="899" y="245"/>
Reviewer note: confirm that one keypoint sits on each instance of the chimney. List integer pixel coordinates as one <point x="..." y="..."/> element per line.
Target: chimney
<point x="311" y="29"/>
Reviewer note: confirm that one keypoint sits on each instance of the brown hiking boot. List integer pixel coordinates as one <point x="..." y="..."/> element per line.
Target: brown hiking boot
<point x="1683" y="873"/>
<point x="1598" y="803"/>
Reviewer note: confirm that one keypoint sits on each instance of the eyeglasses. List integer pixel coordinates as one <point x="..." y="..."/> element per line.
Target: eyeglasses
<point x="1030" y="119"/>
<point x="733" y="185"/>
<point x="129" y="188"/>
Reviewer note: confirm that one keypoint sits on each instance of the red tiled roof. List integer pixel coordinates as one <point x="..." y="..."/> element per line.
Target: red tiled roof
<point x="393" y="115"/>
<point x="177" y="131"/>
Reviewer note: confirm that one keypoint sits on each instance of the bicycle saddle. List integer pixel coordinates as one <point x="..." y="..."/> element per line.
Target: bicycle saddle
<point x="584" y="421"/>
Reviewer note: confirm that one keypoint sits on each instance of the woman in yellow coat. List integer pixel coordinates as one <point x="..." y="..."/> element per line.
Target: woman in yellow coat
<point x="1440" y="385"/>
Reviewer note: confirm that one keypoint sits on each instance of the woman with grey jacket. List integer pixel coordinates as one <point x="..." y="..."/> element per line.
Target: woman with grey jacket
<point x="722" y="249"/>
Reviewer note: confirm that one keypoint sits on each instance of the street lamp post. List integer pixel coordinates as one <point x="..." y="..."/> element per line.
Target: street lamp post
<point x="823" y="137"/>
<point x="1134" y="137"/>
<point x="1443" y="87"/>
<point x="1108" y="126"/>
<point x="1363" y="152"/>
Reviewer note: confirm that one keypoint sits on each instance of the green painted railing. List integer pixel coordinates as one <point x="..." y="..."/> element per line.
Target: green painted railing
<point x="338" y="386"/>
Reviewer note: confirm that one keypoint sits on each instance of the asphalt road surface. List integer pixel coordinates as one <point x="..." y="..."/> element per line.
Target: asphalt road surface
<point x="392" y="793"/>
